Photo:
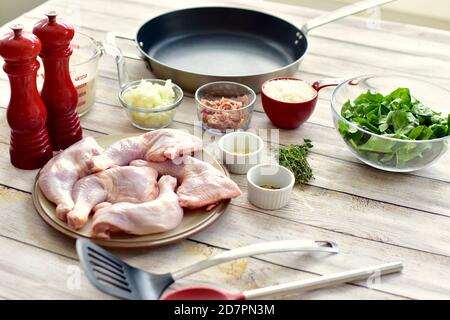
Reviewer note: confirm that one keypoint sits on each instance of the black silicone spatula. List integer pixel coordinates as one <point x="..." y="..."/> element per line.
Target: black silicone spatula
<point x="115" y="277"/>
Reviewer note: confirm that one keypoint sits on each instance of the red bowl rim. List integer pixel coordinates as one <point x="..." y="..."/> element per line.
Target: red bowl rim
<point x="286" y="102"/>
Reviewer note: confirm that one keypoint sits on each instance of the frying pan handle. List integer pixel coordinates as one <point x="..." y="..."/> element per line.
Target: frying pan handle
<point x="343" y="12"/>
<point x="255" y="249"/>
<point x="111" y="39"/>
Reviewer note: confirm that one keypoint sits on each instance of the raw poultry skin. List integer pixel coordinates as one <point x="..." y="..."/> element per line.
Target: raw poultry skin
<point x="200" y="183"/>
<point x="58" y="176"/>
<point x="120" y="184"/>
<point x="160" y="215"/>
<point x="158" y="145"/>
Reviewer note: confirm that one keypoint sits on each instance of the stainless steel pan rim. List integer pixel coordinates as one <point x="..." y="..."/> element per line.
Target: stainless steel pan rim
<point x="192" y="80"/>
<point x="300" y="35"/>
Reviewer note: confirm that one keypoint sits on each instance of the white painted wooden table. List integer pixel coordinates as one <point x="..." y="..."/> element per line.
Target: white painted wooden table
<point x="375" y="216"/>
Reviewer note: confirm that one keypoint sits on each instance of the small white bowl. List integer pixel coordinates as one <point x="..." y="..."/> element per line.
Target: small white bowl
<point x="272" y="174"/>
<point x="240" y="151"/>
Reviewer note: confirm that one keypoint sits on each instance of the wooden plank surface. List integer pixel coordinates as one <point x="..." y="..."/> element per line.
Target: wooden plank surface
<point x="374" y="216"/>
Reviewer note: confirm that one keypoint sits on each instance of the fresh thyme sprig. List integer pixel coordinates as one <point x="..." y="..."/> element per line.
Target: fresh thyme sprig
<point x="294" y="157"/>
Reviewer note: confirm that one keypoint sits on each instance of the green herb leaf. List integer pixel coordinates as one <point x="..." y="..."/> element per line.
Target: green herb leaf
<point x="401" y="96"/>
<point x="294" y="157"/>
<point x="378" y="145"/>
<point x="416" y="132"/>
<point x="421" y="110"/>
<point x="398" y="119"/>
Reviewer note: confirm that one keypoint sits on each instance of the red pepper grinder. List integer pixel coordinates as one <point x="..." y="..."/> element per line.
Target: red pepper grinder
<point x="58" y="92"/>
<point x="30" y="146"/>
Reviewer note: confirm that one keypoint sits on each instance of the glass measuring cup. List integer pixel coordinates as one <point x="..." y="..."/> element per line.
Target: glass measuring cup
<point x="83" y="68"/>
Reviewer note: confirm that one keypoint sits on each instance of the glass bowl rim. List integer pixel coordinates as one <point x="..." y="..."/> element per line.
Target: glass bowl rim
<point x="135" y="83"/>
<point x="250" y="90"/>
<point x="333" y="108"/>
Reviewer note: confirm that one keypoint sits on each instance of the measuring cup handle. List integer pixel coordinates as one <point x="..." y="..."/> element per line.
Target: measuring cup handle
<point x="115" y="52"/>
<point x="319" y="85"/>
<point x="333" y="82"/>
<point x="111" y="39"/>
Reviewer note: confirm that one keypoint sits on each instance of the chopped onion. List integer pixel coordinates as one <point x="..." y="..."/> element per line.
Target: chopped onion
<point x="151" y="96"/>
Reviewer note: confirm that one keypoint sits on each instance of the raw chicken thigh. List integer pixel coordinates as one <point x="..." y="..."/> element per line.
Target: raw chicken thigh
<point x="120" y="184"/>
<point x="58" y="176"/>
<point x="200" y="183"/>
<point x="158" y="145"/>
<point x="159" y="215"/>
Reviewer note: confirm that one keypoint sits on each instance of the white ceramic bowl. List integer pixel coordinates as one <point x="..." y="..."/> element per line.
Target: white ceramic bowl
<point x="240" y="151"/>
<point x="272" y="174"/>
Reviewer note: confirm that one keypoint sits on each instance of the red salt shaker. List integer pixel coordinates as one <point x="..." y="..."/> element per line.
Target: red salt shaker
<point x="58" y="92"/>
<point x="30" y="146"/>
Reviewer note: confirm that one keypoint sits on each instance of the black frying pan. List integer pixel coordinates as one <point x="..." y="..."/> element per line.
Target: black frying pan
<point x="200" y="45"/>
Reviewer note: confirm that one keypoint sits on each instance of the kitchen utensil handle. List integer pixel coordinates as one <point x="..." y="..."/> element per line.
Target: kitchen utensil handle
<point x="255" y="249"/>
<point x="326" y="281"/>
<point x="324" y="83"/>
<point x="342" y="13"/>
<point x="111" y="39"/>
<point x="333" y="82"/>
<point x="116" y="53"/>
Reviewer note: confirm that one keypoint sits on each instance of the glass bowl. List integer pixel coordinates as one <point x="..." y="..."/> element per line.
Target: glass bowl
<point x="220" y="120"/>
<point x="382" y="152"/>
<point x="150" y="119"/>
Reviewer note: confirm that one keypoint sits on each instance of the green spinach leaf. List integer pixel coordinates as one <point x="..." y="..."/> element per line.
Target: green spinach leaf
<point x="397" y="115"/>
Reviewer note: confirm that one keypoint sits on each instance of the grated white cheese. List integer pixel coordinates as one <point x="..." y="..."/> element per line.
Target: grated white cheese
<point x="289" y="90"/>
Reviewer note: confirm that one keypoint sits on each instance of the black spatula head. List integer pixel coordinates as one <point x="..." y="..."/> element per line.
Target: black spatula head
<point x="111" y="275"/>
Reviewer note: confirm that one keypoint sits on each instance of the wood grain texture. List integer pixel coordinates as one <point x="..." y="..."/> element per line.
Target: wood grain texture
<point x="374" y="216"/>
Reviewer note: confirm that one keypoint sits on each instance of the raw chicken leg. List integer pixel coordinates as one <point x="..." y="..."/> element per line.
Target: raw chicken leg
<point x="58" y="176"/>
<point x="159" y="215"/>
<point x="201" y="183"/>
<point x="158" y="145"/>
<point x="120" y="184"/>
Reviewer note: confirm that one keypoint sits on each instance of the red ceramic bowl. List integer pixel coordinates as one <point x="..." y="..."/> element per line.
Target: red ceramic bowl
<point x="290" y="115"/>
